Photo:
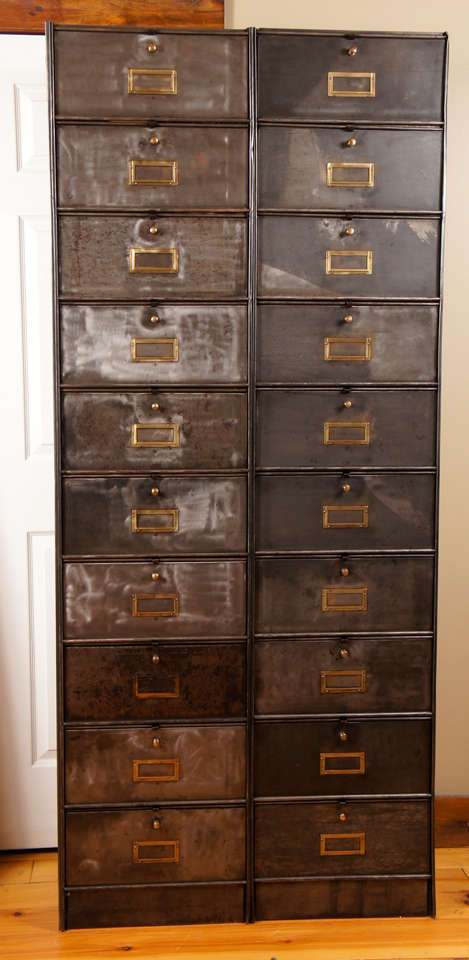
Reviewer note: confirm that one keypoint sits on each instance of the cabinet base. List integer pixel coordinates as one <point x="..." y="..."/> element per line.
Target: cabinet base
<point x="314" y="899"/>
<point x="154" y="905"/>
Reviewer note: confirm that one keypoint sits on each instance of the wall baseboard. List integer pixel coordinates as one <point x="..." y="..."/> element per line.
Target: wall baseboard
<point x="451" y="821"/>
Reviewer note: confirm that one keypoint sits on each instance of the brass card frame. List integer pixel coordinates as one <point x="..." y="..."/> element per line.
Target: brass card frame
<point x="151" y="695"/>
<point x="366" y="341"/>
<point x="134" y="72"/>
<point x="324" y="772"/>
<point x="324" y="837"/>
<point x="173" y="778"/>
<point x="332" y="508"/>
<point x="338" y="74"/>
<point x="333" y="165"/>
<point x="172" y="512"/>
<point x="325" y="674"/>
<point x="134" y="251"/>
<point x="349" y="271"/>
<point x="133" y="173"/>
<point x="346" y="608"/>
<point x="155" y="843"/>
<point x="164" y="444"/>
<point x="136" y="340"/>
<point x="155" y="596"/>
<point x="330" y="425"/>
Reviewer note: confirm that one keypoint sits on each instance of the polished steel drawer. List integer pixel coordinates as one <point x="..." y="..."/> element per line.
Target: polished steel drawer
<point x="168" y="515"/>
<point x="305" y="595"/>
<point x="170" y="599"/>
<point x="113" y="74"/>
<point x="154" y="344"/>
<point x="305" y="256"/>
<point x="140" y="257"/>
<point x="148" y="846"/>
<point x="342" y="77"/>
<point x="163" y="763"/>
<point x="378" y="837"/>
<point x="114" y="431"/>
<point x="344" y="512"/>
<point x="306" y="168"/>
<point x="306" y="758"/>
<point x="358" y="343"/>
<point x="353" y="428"/>
<point x="158" y="167"/>
<point x="348" y="675"/>
<point x="159" y="682"/>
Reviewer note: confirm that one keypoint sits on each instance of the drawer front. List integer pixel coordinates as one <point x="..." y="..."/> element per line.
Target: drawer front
<point x="303" y="596"/>
<point x="146" y="846"/>
<point x="156" y="683"/>
<point x="124" y="431"/>
<point x="146" y="906"/>
<point x="316" y="512"/>
<point x="313" y="343"/>
<point x="120" y="257"/>
<point x="323" y="169"/>
<point x="123" y="344"/>
<point x="343" y="676"/>
<point x="166" y="515"/>
<point x="329" y="757"/>
<point x="376" y="838"/>
<point x="305" y="428"/>
<point x="166" y="763"/>
<point x="314" y="257"/>
<point x="188" y="167"/>
<point x="122" y="600"/>
<point x="338" y="897"/>
<point x="196" y="76"/>
<point x="387" y="78"/>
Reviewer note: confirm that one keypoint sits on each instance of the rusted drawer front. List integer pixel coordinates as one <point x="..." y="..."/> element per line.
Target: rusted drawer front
<point x="119" y="257"/>
<point x="189" y="167"/>
<point x="405" y="83"/>
<point x="321" y="168"/>
<point x="349" y="675"/>
<point x="121" y="600"/>
<point x="340" y="898"/>
<point x="316" y="513"/>
<point x="386" y="838"/>
<point x="166" y="763"/>
<point x="159" y="682"/>
<point x="313" y="343"/>
<point x="147" y="905"/>
<point x="314" y="257"/>
<point x="303" y="596"/>
<point x="315" y="428"/>
<point x="122" y="344"/>
<point x="329" y="757"/>
<point x="196" y="76"/>
<point x="113" y="431"/>
<point x="124" y="847"/>
<point x="123" y="517"/>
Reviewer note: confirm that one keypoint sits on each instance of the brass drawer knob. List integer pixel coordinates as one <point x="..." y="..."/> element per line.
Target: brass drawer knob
<point x="155" y="742"/>
<point x="348" y="318"/>
<point x="344" y="571"/>
<point x="346" y="487"/>
<point x="153" y="229"/>
<point x="351" y="142"/>
<point x="344" y="653"/>
<point x="155" y="658"/>
<point x="153" y="47"/>
<point x="352" y="51"/>
<point x="348" y="404"/>
<point x="155" y="576"/>
<point x="350" y="231"/>
<point x="156" y="824"/>
<point x="342" y="817"/>
<point x="343" y="736"/>
<point x="154" y="140"/>
<point x="155" y="491"/>
<point x="154" y="318"/>
<point x="155" y="406"/>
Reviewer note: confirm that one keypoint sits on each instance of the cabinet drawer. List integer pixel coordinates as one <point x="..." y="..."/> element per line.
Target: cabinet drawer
<point x="158" y="682"/>
<point x="343" y="676"/>
<point x="122" y="600"/>
<point x="163" y="763"/>
<point x="122" y="344"/>
<point x="336" y="428"/>
<point x="188" y="167"/>
<point x="148" y="905"/>
<point x="127" y="846"/>
<point x="347" y="758"/>
<point x="112" y="431"/>
<point x="113" y="257"/>
<point x="313" y="343"/>
<point x="166" y="515"/>
<point x="332" y="169"/>
<point x="339" y="897"/>
<point x="376" y="838"/>
<point x="303" y="596"/>
<point x="315" y="512"/>
<point x="341" y="78"/>
<point x="174" y="75"/>
<point x="314" y="257"/>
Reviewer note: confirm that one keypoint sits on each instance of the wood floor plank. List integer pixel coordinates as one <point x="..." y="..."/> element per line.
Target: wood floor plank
<point x="451" y="821"/>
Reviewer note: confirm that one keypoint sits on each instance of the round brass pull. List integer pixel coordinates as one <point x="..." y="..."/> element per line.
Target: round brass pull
<point x="155" y="576"/>
<point x="156" y="824"/>
<point x="343" y="736"/>
<point x="344" y="571"/>
<point x="348" y="404"/>
<point x="155" y="406"/>
<point x="155" y="491"/>
<point x="155" y="742"/>
<point x="153" y="229"/>
<point x="352" y="51"/>
<point x="153" y="47"/>
<point x="348" y="318"/>
<point x="346" y="487"/>
<point x="154" y="318"/>
<point x="342" y="817"/>
<point x="155" y="658"/>
<point x="344" y="653"/>
<point x="350" y="231"/>
<point x="154" y="140"/>
<point x="351" y="142"/>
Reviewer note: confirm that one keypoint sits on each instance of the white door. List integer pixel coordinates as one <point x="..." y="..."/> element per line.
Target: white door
<point x="27" y="654"/>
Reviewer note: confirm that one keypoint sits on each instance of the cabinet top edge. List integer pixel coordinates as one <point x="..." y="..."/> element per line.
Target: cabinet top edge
<point x="147" y="30"/>
<point x="353" y="34"/>
<point x="260" y="31"/>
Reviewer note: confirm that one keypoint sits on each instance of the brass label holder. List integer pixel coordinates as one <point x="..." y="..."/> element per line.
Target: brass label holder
<point x="138" y="252"/>
<point x="331" y="511"/>
<point x="330" y="347"/>
<point x="328" y="680"/>
<point x="173" y="611"/>
<point x="334" y="91"/>
<point x="326" y="771"/>
<point x="137" y="428"/>
<point x="154" y="695"/>
<point x="154" y="341"/>
<point x="135" y="74"/>
<point x="331" y="426"/>
<point x="358" y="599"/>
<point x="171" y="180"/>
<point x="172" y="857"/>
<point x="173" y="777"/>
<point x="331" y="852"/>
<point x="172" y="514"/>
<point x="365" y="270"/>
<point x="337" y="181"/>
